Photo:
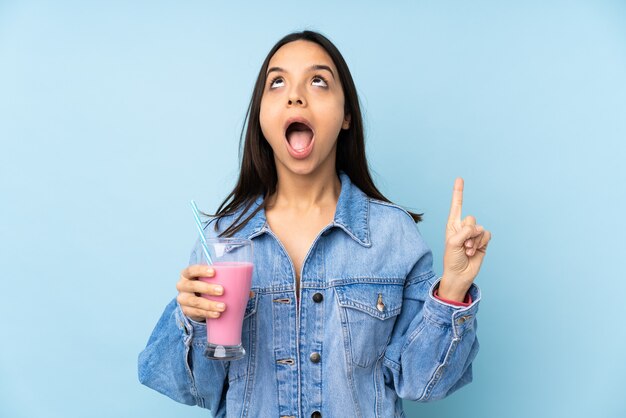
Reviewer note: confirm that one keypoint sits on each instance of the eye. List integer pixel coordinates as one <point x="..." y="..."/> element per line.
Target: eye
<point x="276" y="82"/>
<point x="319" y="81"/>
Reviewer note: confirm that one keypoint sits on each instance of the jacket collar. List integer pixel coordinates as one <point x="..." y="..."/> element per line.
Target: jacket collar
<point x="351" y="215"/>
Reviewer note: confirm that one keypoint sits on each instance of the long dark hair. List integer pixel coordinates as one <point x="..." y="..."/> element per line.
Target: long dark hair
<point x="257" y="176"/>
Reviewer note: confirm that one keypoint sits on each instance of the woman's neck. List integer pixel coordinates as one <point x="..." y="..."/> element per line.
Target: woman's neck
<point x="302" y="193"/>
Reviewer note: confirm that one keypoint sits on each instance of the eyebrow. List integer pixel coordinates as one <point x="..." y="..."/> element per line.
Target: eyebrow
<point x="311" y="68"/>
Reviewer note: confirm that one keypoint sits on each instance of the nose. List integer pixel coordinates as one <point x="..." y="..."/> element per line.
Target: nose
<point x="295" y="101"/>
<point x="296" y="98"/>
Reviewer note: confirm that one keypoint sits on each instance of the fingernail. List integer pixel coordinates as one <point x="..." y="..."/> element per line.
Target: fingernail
<point x="218" y="290"/>
<point x="220" y="306"/>
<point x="468" y="243"/>
<point x="210" y="271"/>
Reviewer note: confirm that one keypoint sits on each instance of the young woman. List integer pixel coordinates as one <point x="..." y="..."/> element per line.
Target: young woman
<point x="346" y="316"/>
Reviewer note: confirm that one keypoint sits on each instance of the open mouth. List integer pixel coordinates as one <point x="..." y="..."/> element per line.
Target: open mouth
<point x="299" y="135"/>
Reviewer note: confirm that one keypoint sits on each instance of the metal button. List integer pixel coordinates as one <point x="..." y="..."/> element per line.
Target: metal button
<point x="380" y="305"/>
<point x="316" y="414"/>
<point x="318" y="297"/>
<point x="315" y="357"/>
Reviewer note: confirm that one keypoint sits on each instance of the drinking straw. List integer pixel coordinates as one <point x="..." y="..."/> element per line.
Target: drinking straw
<point x="205" y="247"/>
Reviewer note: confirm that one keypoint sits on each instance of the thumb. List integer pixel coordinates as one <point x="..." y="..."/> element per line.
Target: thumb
<point x="479" y="255"/>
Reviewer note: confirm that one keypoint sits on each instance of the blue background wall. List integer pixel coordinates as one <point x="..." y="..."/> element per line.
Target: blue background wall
<point x="114" y="114"/>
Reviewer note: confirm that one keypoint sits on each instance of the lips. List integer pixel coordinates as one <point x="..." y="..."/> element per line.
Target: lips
<point x="300" y="137"/>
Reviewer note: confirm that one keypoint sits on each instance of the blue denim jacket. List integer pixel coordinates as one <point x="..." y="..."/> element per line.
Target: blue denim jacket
<point x="366" y="332"/>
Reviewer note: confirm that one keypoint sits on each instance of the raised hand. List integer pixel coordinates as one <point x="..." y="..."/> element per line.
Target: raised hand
<point x="466" y="246"/>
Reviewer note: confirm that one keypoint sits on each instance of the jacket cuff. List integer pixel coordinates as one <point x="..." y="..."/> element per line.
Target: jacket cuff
<point x="466" y="302"/>
<point x="192" y="329"/>
<point x="460" y="318"/>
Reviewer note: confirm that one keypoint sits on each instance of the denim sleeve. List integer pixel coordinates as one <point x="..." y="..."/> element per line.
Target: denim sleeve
<point x="173" y="362"/>
<point x="433" y="343"/>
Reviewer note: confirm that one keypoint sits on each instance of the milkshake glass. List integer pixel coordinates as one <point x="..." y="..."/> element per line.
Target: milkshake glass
<point x="232" y="262"/>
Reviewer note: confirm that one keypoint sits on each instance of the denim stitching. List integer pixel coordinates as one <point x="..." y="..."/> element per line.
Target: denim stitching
<point x="348" y="354"/>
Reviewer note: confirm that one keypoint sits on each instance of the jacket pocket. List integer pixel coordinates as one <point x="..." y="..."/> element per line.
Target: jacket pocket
<point x="370" y="311"/>
<point x="239" y="368"/>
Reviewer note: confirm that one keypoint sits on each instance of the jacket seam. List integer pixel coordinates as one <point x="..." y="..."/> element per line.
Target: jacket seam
<point x="394" y="365"/>
<point x="391" y="205"/>
<point x="379" y="385"/>
<point x="420" y="278"/>
<point x="436" y="378"/>
<point x="348" y="354"/>
<point x="251" y="367"/>
<point x="187" y="342"/>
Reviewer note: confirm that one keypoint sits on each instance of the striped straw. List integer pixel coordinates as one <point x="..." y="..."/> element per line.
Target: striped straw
<point x="205" y="246"/>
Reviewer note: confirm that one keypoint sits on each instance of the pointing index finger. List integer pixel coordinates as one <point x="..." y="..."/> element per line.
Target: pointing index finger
<point x="457" y="201"/>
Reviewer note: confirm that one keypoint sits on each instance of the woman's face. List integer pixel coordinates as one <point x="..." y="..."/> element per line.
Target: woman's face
<point x="302" y="108"/>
